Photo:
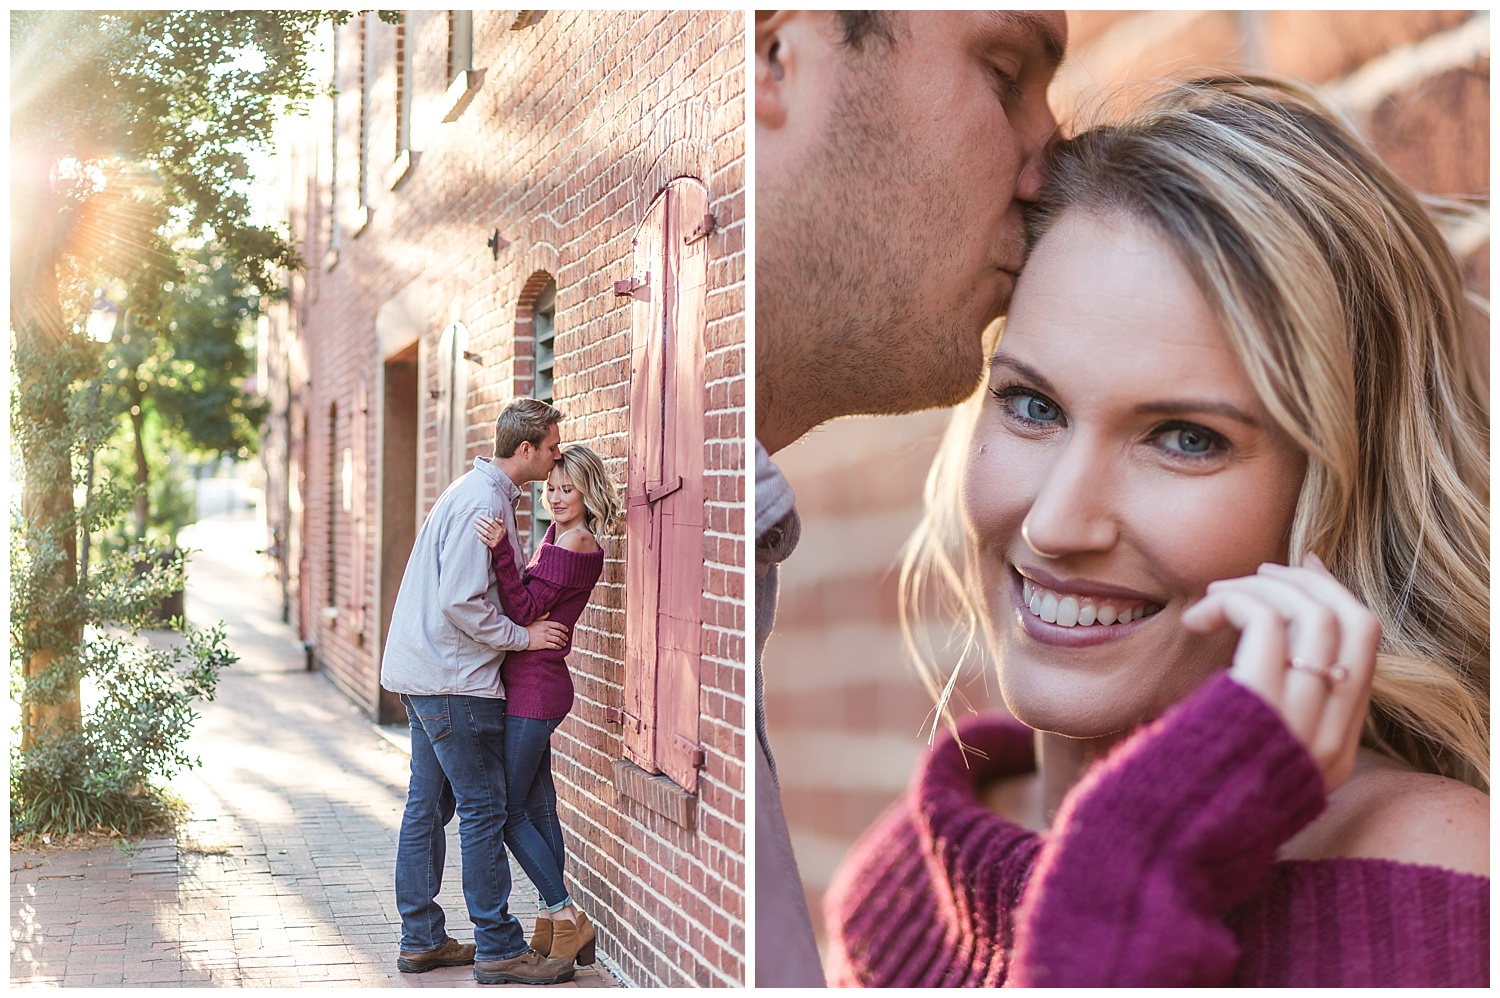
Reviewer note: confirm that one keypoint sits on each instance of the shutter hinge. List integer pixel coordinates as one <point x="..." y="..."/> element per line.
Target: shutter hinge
<point x="694" y="751"/>
<point x="705" y="229"/>
<point x="638" y="288"/>
<point x="619" y="715"/>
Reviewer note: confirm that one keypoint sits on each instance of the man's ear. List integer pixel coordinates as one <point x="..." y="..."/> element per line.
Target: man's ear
<point x="774" y="56"/>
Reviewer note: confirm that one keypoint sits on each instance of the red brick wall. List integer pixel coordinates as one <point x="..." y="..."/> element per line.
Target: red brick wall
<point x="580" y="121"/>
<point x="847" y="719"/>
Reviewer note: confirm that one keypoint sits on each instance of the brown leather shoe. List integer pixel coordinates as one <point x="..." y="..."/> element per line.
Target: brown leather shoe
<point x="573" y="940"/>
<point x="541" y="936"/>
<point x="451" y="954"/>
<point x="528" y="968"/>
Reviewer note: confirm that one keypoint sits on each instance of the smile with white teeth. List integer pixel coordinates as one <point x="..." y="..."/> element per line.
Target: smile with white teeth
<point x="1070" y="610"/>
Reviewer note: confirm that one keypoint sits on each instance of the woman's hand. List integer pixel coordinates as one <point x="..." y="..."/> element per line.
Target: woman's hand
<point x="491" y="531"/>
<point x="1307" y="646"/>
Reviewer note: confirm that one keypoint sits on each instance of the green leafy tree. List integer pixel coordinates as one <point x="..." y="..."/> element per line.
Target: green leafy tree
<point x="126" y="127"/>
<point x="176" y="377"/>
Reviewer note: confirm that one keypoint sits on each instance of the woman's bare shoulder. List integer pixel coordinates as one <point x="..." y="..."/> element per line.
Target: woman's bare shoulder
<point x="578" y="539"/>
<point x="1388" y="811"/>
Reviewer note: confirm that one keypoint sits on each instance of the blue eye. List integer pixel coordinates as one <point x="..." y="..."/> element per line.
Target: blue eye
<point x="1026" y="406"/>
<point x="1191" y="441"/>
<point x="1038" y="410"/>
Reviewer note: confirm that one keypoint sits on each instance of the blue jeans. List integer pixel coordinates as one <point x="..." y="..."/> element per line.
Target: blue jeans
<point x="456" y="765"/>
<point x="532" y="830"/>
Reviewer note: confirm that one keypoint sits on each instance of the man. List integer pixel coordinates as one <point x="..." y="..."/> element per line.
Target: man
<point x="894" y="151"/>
<point x="447" y="640"/>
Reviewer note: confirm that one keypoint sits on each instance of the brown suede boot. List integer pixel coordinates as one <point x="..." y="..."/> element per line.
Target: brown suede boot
<point x="573" y="940"/>
<point x="541" y="936"/>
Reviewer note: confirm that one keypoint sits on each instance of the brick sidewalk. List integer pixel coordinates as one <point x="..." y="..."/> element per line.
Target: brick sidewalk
<point x="282" y="877"/>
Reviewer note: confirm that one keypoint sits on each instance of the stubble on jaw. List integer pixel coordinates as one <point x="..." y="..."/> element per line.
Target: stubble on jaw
<point x="840" y="296"/>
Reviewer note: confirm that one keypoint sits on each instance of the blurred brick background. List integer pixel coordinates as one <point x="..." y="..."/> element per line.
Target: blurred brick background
<point x="847" y="716"/>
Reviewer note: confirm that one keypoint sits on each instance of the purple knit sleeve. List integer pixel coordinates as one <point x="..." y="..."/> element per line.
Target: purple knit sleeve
<point x="555" y="574"/>
<point x="923" y="899"/>
<point x="1159" y="842"/>
<point x="518" y="602"/>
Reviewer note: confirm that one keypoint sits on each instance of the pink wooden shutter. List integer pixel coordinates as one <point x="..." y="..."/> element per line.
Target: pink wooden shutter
<point x="361" y="521"/>
<point x="458" y="400"/>
<point x="643" y="476"/>
<point x="664" y="513"/>
<point x="445" y="409"/>
<point x="680" y="614"/>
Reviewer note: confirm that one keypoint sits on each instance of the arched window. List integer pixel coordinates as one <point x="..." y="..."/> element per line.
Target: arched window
<point x="543" y="325"/>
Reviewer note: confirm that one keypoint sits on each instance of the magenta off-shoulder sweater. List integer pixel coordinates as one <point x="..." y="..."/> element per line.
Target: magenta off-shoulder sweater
<point x="1159" y="870"/>
<point x="558" y="583"/>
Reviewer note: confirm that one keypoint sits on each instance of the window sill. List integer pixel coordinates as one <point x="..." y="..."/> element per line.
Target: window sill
<point x="400" y="167"/>
<point x="330" y="259"/>
<point x="361" y="220"/>
<point x="461" y="92"/>
<point x="656" y="793"/>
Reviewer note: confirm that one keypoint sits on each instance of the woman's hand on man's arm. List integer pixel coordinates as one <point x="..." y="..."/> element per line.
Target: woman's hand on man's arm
<point x="490" y="530"/>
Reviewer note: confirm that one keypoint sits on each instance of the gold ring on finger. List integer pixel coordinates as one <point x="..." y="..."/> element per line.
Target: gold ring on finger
<point x="1331" y="674"/>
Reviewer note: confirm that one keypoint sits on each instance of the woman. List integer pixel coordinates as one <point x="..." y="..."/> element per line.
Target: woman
<point x="1233" y="421"/>
<point x="538" y="688"/>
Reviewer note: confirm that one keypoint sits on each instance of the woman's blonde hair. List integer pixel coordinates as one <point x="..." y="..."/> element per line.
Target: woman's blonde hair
<point x="601" y="495"/>
<point x="1347" y="309"/>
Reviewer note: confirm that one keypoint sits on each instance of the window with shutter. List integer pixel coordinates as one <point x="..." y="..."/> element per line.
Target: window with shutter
<point x="403" y="157"/>
<point x="452" y="399"/>
<point x="357" y="510"/>
<point x="403" y="87"/>
<point x="460" y="43"/>
<point x="366" y="77"/>
<point x="332" y="256"/>
<point x="664" y="513"/>
<point x="463" y="79"/>
<point x="335" y="500"/>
